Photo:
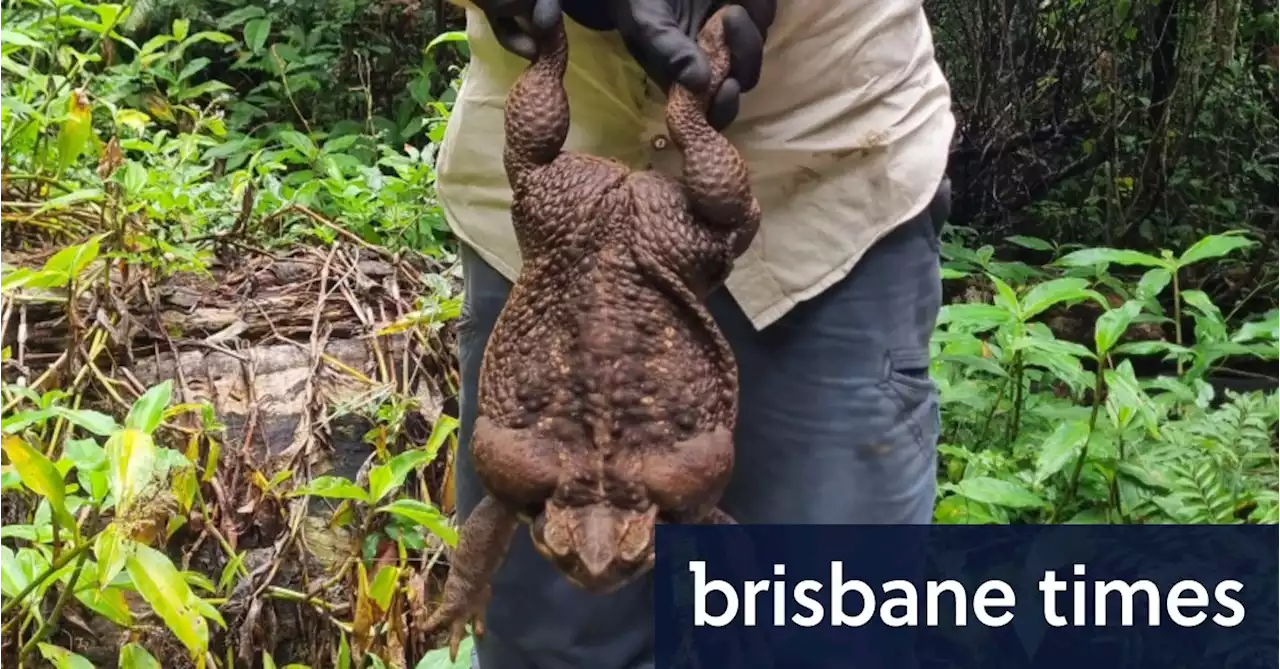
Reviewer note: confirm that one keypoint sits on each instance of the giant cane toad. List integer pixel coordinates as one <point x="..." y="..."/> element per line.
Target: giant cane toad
<point x="607" y="394"/>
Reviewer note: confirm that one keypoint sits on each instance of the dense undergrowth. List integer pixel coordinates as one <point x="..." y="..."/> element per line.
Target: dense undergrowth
<point x="1080" y="382"/>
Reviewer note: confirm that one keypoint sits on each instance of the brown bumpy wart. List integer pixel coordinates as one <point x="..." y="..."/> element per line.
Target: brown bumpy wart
<point x="607" y="394"/>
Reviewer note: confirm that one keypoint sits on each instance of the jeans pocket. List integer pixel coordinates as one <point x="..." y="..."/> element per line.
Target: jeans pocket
<point x="908" y="374"/>
<point x="908" y="382"/>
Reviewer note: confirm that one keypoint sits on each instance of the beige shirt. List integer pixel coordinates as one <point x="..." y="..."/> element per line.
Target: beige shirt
<point x="846" y="136"/>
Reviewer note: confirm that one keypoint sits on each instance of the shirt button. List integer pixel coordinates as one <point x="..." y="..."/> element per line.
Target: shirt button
<point x="659" y="142"/>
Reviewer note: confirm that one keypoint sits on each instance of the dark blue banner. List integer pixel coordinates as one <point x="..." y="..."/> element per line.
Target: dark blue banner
<point x="967" y="596"/>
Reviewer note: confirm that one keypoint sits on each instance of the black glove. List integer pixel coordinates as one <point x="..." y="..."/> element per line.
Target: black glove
<point x="502" y="14"/>
<point x="662" y="35"/>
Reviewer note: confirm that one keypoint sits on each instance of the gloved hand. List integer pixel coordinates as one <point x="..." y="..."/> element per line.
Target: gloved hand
<point x="662" y="36"/>
<point x="512" y="36"/>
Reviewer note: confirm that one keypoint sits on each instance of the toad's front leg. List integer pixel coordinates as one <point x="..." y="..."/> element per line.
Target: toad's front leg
<point x="537" y="109"/>
<point x="482" y="545"/>
<point x="715" y="174"/>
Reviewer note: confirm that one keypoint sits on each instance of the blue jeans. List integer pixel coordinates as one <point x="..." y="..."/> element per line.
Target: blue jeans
<point x="838" y="423"/>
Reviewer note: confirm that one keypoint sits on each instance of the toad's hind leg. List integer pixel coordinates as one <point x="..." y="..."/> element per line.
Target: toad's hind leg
<point x="715" y="174"/>
<point x="522" y="464"/>
<point x="537" y="111"/>
<point x="482" y="545"/>
<point x="688" y="479"/>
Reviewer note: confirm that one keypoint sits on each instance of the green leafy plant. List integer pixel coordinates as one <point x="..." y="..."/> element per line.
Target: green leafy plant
<point x="1033" y="436"/>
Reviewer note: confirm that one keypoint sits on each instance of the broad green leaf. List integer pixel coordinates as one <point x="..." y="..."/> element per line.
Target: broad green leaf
<point x="1198" y="300"/>
<point x="112" y="551"/>
<point x="1213" y="246"/>
<point x="445" y="426"/>
<point x="199" y="580"/>
<point x="439" y="658"/>
<point x="134" y="656"/>
<point x="1111" y="325"/>
<point x="383" y="587"/>
<point x="66" y="202"/>
<point x="71" y="261"/>
<point x="1267" y="330"/>
<point x="256" y="32"/>
<point x="232" y="147"/>
<point x="280" y="477"/>
<point x="153" y="45"/>
<point x="955" y="510"/>
<point x="450" y="36"/>
<point x="1144" y="475"/>
<point x="387" y="477"/>
<point x="184" y="487"/>
<point x="1060" y="448"/>
<point x="211" y="36"/>
<point x="181" y="27"/>
<point x="332" y="487"/>
<point x="1106" y="256"/>
<point x="61" y="658"/>
<point x="109" y="603"/>
<point x="233" y="19"/>
<point x="299" y="142"/>
<point x="207" y="610"/>
<point x="131" y="455"/>
<point x="19" y="278"/>
<point x="1033" y="243"/>
<point x="425" y="515"/>
<point x="998" y="492"/>
<point x="9" y="480"/>
<point x="133" y="177"/>
<point x="163" y="587"/>
<point x="1005" y="296"/>
<point x="1088" y="517"/>
<point x="12" y="38"/>
<point x="1045" y="295"/>
<point x="92" y="421"/>
<point x="1152" y="283"/>
<point x="109" y="13"/>
<point x="30" y="533"/>
<point x="340" y="143"/>
<point x="1050" y="345"/>
<point x="344" y="652"/>
<point x="1151" y="348"/>
<point x="132" y="118"/>
<point x="976" y="362"/>
<point x="12" y="578"/>
<point x="147" y="412"/>
<point x="39" y="474"/>
<point x="973" y="317"/>
<point x="1125" y="399"/>
<point x="24" y="419"/>
<point x="76" y="128"/>
<point x="204" y="88"/>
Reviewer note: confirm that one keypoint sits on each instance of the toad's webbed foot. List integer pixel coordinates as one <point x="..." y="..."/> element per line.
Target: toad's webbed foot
<point x="473" y="614"/>
<point x="482" y="545"/>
